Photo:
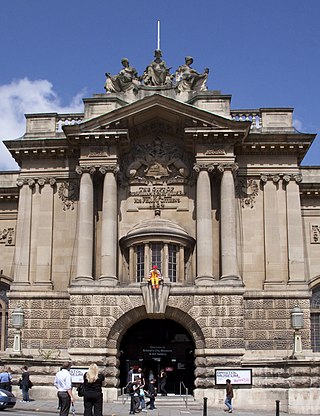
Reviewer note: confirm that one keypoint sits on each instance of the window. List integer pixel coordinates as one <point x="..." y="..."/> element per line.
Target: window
<point x="172" y="263"/>
<point x="140" y="262"/>
<point x="315" y="320"/>
<point x="156" y="250"/>
<point x="160" y="243"/>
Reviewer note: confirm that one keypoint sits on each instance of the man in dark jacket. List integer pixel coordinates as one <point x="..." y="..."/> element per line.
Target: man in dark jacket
<point x="229" y="396"/>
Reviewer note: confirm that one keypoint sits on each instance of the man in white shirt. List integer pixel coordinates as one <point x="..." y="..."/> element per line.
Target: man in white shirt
<point x="63" y="383"/>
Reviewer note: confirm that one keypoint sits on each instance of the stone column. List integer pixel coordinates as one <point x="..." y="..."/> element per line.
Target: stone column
<point x="204" y="226"/>
<point x="273" y="260"/>
<point x="109" y="228"/>
<point x="85" y="225"/>
<point x="44" y="235"/>
<point x="294" y="227"/>
<point x="229" y="260"/>
<point x="23" y="234"/>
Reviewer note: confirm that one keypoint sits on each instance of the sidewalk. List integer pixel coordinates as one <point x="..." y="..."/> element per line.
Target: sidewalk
<point x="122" y="409"/>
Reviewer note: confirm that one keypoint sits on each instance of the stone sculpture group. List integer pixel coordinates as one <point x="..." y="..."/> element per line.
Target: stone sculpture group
<point x="157" y="74"/>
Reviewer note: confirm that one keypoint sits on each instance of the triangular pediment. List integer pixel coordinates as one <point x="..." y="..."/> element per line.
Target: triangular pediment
<point x="157" y="112"/>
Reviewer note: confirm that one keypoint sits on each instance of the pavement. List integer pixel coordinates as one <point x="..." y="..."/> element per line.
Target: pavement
<point x="121" y="408"/>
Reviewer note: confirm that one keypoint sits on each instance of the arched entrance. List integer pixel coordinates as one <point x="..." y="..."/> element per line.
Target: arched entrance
<point x="156" y="344"/>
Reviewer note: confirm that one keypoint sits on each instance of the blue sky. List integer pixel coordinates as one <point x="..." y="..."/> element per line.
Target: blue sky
<point x="54" y="53"/>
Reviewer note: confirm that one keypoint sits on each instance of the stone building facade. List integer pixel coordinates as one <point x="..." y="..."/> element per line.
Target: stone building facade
<point x="215" y="197"/>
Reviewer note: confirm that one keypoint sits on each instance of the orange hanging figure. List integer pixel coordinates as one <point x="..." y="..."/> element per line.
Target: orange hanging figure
<point x="155" y="277"/>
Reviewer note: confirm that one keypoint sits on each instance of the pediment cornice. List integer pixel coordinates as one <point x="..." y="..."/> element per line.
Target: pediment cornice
<point x="157" y="111"/>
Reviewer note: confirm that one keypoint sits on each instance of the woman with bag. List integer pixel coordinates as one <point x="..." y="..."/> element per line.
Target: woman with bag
<point x="92" y="399"/>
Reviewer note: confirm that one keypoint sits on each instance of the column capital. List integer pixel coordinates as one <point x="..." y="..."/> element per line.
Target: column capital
<point x="85" y="169"/>
<point x="233" y="167"/>
<point x="109" y="168"/>
<point x="209" y="167"/>
<point x="43" y="181"/>
<point x="26" y="181"/>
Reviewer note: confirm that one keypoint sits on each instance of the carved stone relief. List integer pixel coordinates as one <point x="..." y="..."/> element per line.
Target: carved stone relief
<point x="246" y="191"/>
<point x="68" y="193"/>
<point x="7" y="236"/>
<point x="158" y="162"/>
<point x="315" y="234"/>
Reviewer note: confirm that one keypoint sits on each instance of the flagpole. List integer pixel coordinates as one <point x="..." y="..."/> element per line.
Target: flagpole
<point x="158" y="40"/>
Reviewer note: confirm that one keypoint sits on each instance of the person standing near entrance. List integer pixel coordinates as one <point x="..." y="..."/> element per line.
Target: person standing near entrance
<point x="152" y="392"/>
<point x="229" y="396"/>
<point x="63" y="383"/>
<point x="92" y="399"/>
<point x="163" y="382"/>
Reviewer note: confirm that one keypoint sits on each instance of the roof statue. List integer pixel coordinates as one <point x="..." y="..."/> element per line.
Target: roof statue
<point x="188" y="79"/>
<point x="157" y="74"/>
<point x="126" y="79"/>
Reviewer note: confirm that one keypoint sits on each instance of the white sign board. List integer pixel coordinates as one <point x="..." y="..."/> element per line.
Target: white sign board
<point x="243" y="376"/>
<point x="77" y="374"/>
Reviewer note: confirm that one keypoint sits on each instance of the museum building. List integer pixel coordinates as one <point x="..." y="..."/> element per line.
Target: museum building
<point x="160" y="171"/>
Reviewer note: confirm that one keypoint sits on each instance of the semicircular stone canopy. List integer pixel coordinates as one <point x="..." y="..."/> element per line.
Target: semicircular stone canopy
<point x="158" y="227"/>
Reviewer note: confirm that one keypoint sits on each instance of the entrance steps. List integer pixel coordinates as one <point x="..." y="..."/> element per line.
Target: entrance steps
<point x="172" y="400"/>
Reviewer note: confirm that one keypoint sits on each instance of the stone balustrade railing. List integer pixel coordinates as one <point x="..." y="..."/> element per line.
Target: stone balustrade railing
<point x="67" y="119"/>
<point x="248" y="115"/>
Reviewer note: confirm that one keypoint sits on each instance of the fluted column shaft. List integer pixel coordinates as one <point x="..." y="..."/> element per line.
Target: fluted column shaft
<point x="229" y="261"/>
<point x="85" y="227"/>
<point x="204" y="226"/>
<point x="109" y="225"/>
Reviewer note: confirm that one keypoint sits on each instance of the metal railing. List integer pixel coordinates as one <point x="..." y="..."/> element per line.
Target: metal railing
<point x="184" y="396"/>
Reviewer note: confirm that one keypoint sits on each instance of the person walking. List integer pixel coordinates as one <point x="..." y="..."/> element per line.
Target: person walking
<point x="163" y="382"/>
<point x="92" y="399"/>
<point x="63" y="383"/>
<point x="229" y="396"/>
<point x="25" y="384"/>
<point x="152" y="393"/>
<point x="6" y="379"/>
<point x="135" y="396"/>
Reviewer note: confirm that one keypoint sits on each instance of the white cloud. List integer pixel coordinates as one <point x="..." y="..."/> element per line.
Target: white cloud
<point x="297" y="124"/>
<point x="26" y="96"/>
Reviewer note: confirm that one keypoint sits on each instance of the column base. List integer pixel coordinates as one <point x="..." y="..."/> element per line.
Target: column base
<point x="205" y="281"/>
<point x="230" y="277"/>
<point x="80" y="280"/>
<point x="108" y="280"/>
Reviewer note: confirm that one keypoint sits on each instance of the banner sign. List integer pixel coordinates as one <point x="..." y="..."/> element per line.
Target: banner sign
<point x="77" y="374"/>
<point x="243" y="376"/>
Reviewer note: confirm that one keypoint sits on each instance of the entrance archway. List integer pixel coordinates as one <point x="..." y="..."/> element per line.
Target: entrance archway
<point x="156" y="344"/>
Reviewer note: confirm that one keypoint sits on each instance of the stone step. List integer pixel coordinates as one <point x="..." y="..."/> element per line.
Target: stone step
<point x="175" y="401"/>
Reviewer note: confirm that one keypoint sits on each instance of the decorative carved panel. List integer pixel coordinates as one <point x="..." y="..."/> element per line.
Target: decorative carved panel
<point x="7" y="236"/>
<point x="315" y="234"/>
<point x="247" y="190"/>
<point x="68" y="193"/>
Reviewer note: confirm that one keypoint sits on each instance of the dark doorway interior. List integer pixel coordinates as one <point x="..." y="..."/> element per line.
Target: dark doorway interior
<point x="156" y="344"/>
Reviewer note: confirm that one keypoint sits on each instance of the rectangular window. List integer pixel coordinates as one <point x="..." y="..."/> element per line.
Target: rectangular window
<point x="140" y="263"/>
<point x="156" y="255"/>
<point x="172" y="262"/>
<point x="315" y="332"/>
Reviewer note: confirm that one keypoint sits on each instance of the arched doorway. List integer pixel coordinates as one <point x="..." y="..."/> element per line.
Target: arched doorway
<point x="156" y="344"/>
